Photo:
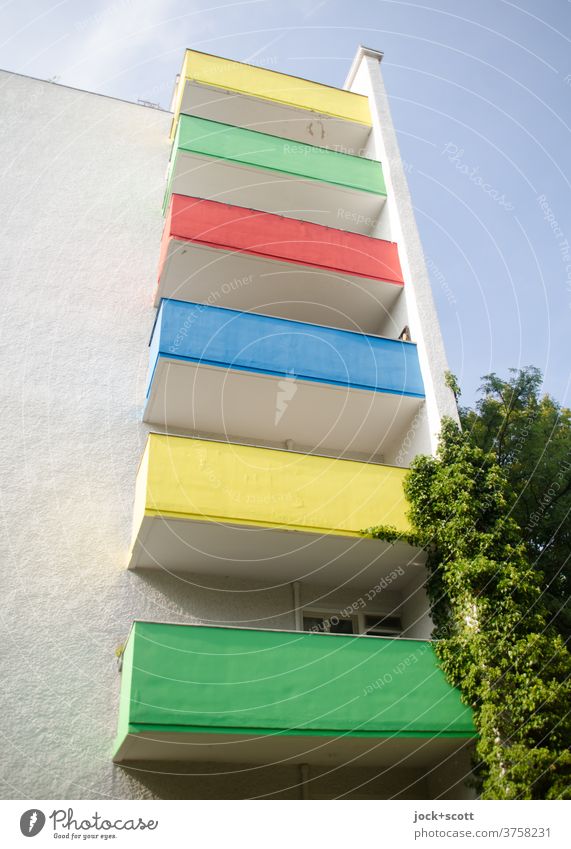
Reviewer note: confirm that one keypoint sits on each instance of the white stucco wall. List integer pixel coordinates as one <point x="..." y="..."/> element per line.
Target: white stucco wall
<point x="80" y="211"/>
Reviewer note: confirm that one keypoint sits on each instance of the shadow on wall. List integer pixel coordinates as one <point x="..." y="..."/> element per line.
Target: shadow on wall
<point x="214" y="600"/>
<point x="242" y="781"/>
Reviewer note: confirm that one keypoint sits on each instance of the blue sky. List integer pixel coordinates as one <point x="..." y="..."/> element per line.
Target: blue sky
<point x="481" y="100"/>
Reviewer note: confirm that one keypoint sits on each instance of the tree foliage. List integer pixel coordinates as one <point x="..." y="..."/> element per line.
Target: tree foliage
<point x="530" y="437"/>
<point x="494" y="639"/>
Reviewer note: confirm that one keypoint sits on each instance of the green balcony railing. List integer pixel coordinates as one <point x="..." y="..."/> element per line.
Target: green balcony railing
<point x="247" y="148"/>
<point x="185" y="681"/>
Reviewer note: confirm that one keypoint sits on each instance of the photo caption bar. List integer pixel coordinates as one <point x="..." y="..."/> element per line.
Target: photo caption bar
<point x="403" y="824"/>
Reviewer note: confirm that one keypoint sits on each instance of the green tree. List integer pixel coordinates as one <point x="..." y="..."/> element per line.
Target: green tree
<point x="530" y="436"/>
<point x="493" y="635"/>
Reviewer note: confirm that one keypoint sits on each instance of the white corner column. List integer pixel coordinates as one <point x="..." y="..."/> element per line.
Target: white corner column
<point x="398" y="223"/>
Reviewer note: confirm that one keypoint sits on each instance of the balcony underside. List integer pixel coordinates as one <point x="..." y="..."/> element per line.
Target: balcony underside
<point x="273" y="191"/>
<point x="277" y="119"/>
<point x="245" y="406"/>
<point x="242" y="281"/>
<point x="185" y="545"/>
<point x="147" y="745"/>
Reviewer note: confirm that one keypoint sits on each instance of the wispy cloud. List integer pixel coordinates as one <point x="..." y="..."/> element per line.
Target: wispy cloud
<point x="129" y="48"/>
<point x="110" y="42"/>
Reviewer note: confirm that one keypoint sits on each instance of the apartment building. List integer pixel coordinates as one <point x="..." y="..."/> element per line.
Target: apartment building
<point x="222" y="354"/>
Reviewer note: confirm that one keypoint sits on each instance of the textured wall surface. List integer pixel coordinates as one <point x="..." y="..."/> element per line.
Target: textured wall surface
<point x="83" y="177"/>
<point x="80" y="211"/>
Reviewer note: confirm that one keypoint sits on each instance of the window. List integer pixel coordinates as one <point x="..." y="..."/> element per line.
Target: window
<point x="382" y="626"/>
<point x="330" y="622"/>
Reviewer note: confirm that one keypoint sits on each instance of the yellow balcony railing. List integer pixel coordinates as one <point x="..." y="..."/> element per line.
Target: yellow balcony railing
<point x="221" y="482"/>
<point x="214" y="507"/>
<point x="269" y="85"/>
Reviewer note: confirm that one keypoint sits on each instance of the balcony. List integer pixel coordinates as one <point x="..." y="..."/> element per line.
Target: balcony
<point x="196" y="693"/>
<point x="251" y="169"/>
<point x="224" y="509"/>
<point x="223" y="90"/>
<point x="249" y="260"/>
<point x="250" y="377"/>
